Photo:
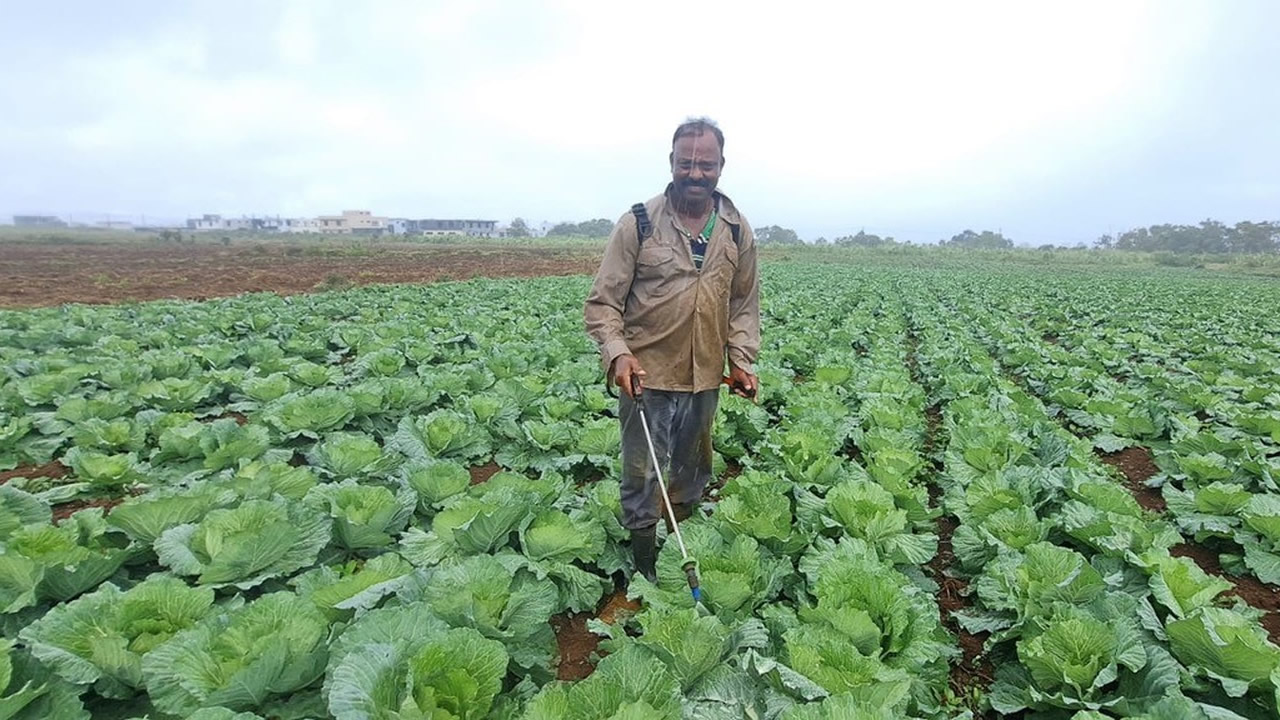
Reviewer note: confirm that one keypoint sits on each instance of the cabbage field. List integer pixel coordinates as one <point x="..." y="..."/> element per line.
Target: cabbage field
<point x="975" y="491"/>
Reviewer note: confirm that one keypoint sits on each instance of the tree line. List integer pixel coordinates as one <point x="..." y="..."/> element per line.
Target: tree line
<point x="1209" y="237"/>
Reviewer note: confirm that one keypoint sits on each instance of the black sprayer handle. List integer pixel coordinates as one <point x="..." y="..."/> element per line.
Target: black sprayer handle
<point x="636" y="391"/>
<point x="691" y="574"/>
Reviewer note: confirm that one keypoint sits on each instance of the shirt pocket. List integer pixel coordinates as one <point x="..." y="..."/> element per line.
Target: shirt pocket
<point x="655" y="271"/>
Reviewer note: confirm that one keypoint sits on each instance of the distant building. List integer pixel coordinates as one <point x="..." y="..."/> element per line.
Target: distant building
<point x="359" y="222"/>
<point x="38" y="221"/>
<point x="206" y="222"/>
<point x="301" y="225"/>
<point x="212" y="222"/>
<point x="474" y="228"/>
<point x="114" y="225"/>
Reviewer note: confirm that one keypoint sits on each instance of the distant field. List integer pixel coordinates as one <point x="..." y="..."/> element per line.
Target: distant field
<point x="57" y="266"/>
<point x="37" y="274"/>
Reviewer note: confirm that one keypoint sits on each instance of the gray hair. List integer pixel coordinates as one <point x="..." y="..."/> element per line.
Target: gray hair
<point x="697" y="126"/>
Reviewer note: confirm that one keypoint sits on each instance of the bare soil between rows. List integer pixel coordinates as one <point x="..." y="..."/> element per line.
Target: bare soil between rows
<point x="40" y="275"/>
<point x="56" y="471"/>
<point x="1137" y="466"/>
<point x="577" y="644"/>
<point x="1246" y="587"/>
<point x="974" y="668"/>
<point x="482" y="473"/>
<point x="53" y="469"/>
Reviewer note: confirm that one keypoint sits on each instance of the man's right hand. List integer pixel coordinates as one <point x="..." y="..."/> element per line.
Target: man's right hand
<point x="626" y="367"/>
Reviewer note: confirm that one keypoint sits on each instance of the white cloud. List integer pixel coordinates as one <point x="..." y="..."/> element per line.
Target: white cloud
<point x="905" y="115"/>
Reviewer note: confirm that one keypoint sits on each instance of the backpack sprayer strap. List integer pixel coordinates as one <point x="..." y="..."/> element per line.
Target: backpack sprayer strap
<point x="644" y="228"/>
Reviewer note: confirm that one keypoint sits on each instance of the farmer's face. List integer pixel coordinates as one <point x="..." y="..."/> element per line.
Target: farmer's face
<point x="695" y="167"/>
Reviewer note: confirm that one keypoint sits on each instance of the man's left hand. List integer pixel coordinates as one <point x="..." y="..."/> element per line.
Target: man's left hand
<point x="743" y="383"/>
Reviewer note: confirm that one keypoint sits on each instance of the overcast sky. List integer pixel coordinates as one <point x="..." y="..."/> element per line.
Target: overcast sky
<point x="915" y="120"/>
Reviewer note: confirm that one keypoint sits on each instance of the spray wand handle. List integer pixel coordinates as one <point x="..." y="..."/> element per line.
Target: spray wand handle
<point x="637" y="392"/>
<point x="691" y="574"/>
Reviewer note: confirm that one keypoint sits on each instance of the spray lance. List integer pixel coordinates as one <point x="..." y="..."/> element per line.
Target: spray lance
<point x="689" y="565"/>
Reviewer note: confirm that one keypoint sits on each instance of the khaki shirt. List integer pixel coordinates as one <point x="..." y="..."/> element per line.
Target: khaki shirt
<point x="651" y="301"/>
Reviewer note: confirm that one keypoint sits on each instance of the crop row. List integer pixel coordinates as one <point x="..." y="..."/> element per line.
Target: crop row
<point x="293" y="511"/>
<point x="1085" y="609"/>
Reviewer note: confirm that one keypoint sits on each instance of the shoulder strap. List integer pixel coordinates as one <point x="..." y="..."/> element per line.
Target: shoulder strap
<point x="644" y="228"/>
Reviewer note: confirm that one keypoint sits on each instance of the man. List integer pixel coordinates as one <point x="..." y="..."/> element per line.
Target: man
<point x="667" y="310"/>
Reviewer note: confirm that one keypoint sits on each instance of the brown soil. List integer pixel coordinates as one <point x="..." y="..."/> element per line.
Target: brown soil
<point x="617" y="607"/>
<point x="53" y="469"/>
<point x="35" y="275"/>
<point x="732" y="470"/>
<point x="973" y="669"/>
<point x="65" y="510"/>
<point x="933" y="421"/>
<point x="238" y="417"/>
<point x="577" y="644"/>
<point x="1137" y="466"/>
<point x="482" y="473"/>
<point x="1248" y="588"/>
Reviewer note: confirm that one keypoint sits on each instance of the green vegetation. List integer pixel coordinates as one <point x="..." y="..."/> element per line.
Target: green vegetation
<point x="1210" y="236"/>
<point x="299" y="533"/>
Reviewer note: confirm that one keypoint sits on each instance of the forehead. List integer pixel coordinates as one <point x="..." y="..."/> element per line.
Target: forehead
<point x="699" y="146"/>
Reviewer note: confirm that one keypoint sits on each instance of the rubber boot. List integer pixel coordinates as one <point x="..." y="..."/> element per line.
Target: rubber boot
<point x="644" y="550"/>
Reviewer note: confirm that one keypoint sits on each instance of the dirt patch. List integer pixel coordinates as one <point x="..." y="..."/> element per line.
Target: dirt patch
<point x="39" y="275"/>
<point x="732" y="470"/>
<point x="1050" y="338"/>
<point x="973" y="669"/>
<point x="66" y="510"/>
<point x="238" y="417"/>
<point x="482" y="473"/>
<point x="577" y="644"/>
<point x="1137" y="466"/>
<point x="1246" y="587"/>
<point x="53" y="469"/>
<point x="932" y="421"/>
<point x="617" y="607"/>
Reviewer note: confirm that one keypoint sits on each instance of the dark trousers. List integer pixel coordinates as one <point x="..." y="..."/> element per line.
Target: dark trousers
<point x="680" y="423"/>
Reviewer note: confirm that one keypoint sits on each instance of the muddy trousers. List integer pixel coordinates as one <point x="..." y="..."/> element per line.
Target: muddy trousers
<point x="681" y="426"/>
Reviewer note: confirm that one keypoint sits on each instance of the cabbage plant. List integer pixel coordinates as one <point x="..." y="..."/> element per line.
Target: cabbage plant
<point x="100" y="638"/>
<point x="364" y="516"/>
<point x="240" y="657"/>
<point x="244" y="545"/>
